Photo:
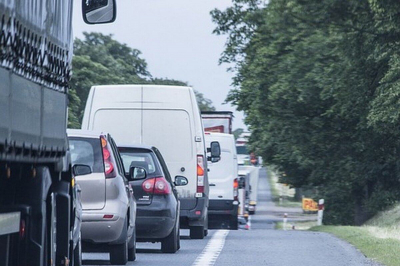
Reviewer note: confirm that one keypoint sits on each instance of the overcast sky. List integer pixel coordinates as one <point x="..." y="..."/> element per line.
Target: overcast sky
<point x="176" y="40"/>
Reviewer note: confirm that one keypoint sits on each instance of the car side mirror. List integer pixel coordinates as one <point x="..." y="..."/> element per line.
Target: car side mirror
<point x="137" y="173"/>
<point x="99" y="11"/>
<point x="215" y="151"/>
<point x="181" y="181"/>
<point x="81" y="169"/>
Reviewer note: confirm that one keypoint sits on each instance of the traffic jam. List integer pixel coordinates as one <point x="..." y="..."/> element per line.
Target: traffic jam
<point x="144" y="165"/>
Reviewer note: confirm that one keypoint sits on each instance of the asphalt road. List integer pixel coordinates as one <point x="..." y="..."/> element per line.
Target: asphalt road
<point x="261" y="245"/>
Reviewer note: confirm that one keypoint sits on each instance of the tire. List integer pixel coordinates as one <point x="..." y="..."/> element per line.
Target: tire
<point x="179" y="237"/>
<point x="234" y="223"/>
<point x="119" y="254"/>
<point x="78" y="254"/>
<point x="132" y="248"/>
<point x="197" y="232"/>
<point x="170" y="243"/>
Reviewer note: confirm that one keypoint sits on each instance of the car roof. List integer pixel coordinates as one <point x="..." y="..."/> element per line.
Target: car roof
<point x="136" y="146"/>
<point x="84" y="133"/>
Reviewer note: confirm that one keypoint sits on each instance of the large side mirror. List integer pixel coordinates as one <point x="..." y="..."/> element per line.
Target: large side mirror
<point x="215" y="151"/>
<point x="81" y="169"/>
<point x="99" y="11"/>
<point x="137" y="173"/>
<point x="181" y="181"/>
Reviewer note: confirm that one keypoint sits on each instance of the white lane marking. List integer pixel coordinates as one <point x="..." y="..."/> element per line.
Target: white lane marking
<point x="212" y="250"/>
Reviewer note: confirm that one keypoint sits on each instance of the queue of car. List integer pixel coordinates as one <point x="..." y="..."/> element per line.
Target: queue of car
<point x="141" y="161"/>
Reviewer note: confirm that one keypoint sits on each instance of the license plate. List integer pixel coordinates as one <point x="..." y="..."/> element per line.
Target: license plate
<point x="9" y="222"/>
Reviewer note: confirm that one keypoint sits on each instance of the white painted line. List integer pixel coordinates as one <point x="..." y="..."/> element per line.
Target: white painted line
<point x="212" y="250"/>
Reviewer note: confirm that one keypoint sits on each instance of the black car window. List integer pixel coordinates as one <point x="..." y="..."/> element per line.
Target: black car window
<point x="142" y="158"/>
<point x="163" y="165"/>
<point x="87" y="151"/>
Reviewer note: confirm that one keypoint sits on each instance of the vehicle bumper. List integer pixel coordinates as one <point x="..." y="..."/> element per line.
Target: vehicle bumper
<point x="96" y="229"/>
<point x="223" y="207"/>
<point x="153" y="223"/>
<point x="195" y="216"/>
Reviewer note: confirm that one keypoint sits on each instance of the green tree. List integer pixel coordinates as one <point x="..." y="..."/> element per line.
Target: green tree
<point x="319" y="84"/>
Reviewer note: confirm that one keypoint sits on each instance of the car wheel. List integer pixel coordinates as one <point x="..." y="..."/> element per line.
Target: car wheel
<point x="197" y="232"/>
<point x="178" y="239"/>
<point x="132" y="248"/>
<point x="170" y="243"/>
<point x="119" y="254"/>
<point x="78" y="254"/>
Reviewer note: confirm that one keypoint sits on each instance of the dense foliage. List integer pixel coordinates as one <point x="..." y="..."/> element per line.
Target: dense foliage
<point x="319" y="84"/>
<point x="99" y="59"/>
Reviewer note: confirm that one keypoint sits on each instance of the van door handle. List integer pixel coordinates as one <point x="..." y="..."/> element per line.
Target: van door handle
<point x="211" y="185"/>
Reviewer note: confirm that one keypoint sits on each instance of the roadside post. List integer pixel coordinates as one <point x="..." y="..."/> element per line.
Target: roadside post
<point x="321" y="208"/>
<point x="284" y="221"/>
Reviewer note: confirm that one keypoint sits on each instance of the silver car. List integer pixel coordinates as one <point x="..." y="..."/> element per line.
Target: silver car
<point x="108" y="205"/>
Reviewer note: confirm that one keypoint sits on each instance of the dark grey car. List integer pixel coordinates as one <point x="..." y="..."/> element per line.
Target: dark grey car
<point x="158" y="207"/>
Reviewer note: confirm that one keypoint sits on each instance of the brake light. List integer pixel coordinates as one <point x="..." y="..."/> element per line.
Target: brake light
<point x="157" y="185"/>
<point x="235" y="189"/>
<point x="109" y="162"/>
<point x="200" y="174"/>
<point x="22" y="229"/>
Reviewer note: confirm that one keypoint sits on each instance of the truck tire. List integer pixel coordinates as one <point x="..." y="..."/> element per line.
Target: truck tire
<point x="78" y="254"/>
<point x="197" y="232"/>
<point x="170" y="243"/>
<point x="119" y="254"/>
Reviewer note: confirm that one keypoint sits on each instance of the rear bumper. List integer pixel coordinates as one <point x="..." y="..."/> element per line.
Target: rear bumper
<point x="195" y="216"/>
<point x="153" y="222"/>
<point x="102" y="231"/>
<point x="223" y="207"/>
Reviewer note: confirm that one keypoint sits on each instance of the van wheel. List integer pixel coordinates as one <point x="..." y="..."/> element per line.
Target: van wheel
<point x="119" y="254"/>
<point x="132" y="247"/>
<point x="170" y="243"/>
<point x="197" y="232"/>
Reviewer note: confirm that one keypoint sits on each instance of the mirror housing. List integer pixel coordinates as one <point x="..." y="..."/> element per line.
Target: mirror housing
<point x="137" y="173"/>
<point x="81" y="169"/>
<point x="180" y="181"/>
<point x="99" y="11"/>
<point x="215" y="150"/>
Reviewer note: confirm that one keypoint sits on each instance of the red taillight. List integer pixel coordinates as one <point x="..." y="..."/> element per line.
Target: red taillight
<point x="148" y="185"/>
<point x="157" y="185"/>
<point x="22" y="228"/>
<point x="200" y="174"/>
<point x="235" y="189"/>
<point x="108" y="216"/>
<point x="109" y="162"/>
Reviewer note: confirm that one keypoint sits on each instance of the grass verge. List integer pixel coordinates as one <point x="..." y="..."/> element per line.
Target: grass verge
<point x="374" y="246"/>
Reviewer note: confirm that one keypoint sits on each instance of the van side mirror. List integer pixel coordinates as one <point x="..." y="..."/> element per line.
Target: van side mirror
<point x="181" y="181"/>
<point x="99" y="11"/>
<point x="81" y="169"/>
<point x="137" y="173"/>
<point x="215" y="151"/>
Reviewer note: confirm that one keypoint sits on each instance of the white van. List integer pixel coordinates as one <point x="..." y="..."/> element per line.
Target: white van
<point x="168" y="118"/>
<point x="223" y="178"/>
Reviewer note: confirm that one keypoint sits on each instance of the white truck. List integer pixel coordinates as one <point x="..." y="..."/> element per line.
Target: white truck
<point x="38" y="211"/>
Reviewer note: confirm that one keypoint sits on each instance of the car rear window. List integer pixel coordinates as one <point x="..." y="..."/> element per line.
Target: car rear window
<point x="138" y="157"/>
<point x="87" y="151"/>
